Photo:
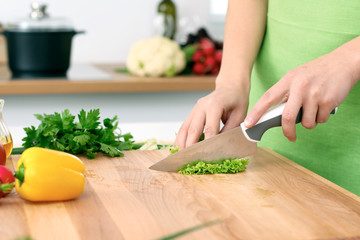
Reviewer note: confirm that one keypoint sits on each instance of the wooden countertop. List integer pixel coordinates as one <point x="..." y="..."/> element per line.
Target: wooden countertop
<point x="273" y="199"/>
<point x="118" y="83"/>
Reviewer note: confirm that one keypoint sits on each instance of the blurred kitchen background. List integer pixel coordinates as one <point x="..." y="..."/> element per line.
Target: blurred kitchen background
<point x="111" y="28"/>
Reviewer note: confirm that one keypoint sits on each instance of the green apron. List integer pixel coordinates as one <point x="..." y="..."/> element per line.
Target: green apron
<point x="299" y="31"/>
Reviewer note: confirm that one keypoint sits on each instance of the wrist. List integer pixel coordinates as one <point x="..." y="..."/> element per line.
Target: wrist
<point x="349" y="55"/>
<point x="233" y="81"/>
<point x="356" y="67"/>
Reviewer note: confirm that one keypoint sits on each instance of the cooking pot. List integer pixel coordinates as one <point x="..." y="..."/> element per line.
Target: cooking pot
<point x="39" y="46"/>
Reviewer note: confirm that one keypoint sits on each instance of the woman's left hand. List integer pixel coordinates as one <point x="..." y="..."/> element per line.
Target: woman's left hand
<point x="318" y="86"/>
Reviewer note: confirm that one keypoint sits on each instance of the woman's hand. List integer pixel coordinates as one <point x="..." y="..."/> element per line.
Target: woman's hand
<point x="318" y="86"/>
<point x="228" y="104"/>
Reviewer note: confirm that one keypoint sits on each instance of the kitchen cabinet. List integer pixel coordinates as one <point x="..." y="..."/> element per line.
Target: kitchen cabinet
<point x="273" y="199"/>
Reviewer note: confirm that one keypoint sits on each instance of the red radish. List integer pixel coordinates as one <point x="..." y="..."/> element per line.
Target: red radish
<point x="206" y="42"/>
<point x="2" y="155"/>
<point x="199" y="68"/>
<point x="209" y="50"/>
<point x="209" y="62"/>
<point x="207" y="46"/>
<point x="198" y="56"/>
<point x="218" y="55"/>
<point x="7" y="181"/>
<point x="215" y="70"/>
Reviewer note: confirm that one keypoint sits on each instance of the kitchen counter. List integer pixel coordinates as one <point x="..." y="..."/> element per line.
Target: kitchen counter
<point x="115" y="83"/>
<point x="273" y="199"/>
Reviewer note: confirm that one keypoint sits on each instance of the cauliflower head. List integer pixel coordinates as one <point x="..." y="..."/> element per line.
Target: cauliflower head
<point x="155" y="57"/>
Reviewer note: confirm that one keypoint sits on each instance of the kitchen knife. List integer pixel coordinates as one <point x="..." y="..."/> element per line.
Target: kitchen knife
<point x="238" y="142"/>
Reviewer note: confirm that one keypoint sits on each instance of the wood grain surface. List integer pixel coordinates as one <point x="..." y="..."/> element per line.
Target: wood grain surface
<point x="273" y="199"/>
<point x="117" y="84"/>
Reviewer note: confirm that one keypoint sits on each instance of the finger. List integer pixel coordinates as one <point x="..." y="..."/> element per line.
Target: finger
<point x="323" y="114"/>
<point x="195" y="129"/>
<point x="289" y="115"/>
<point x="268" y="99"/>
<point x="181" y="136"/>
<point x="308" y="119"/>
<point x="284" y="99"/>
<point x="212" y="122"/>
<point x="233" y="121"/>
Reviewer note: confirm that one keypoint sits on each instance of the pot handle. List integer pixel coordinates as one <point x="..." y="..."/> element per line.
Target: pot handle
<point x="79" y="32"/>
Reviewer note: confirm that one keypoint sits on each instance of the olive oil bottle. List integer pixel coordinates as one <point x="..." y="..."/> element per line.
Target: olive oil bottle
<point x="166" y="11"/>
<point x="5" y="136"/>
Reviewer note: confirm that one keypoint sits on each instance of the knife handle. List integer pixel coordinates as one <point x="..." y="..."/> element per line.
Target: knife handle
<point x="272" y="118"/>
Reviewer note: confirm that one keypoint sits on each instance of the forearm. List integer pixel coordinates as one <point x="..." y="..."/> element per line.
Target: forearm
<point x="244" y="31"/>
<point x="348" y="56"/>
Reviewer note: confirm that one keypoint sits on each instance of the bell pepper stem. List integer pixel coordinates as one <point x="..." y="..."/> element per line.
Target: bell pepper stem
<point x="20" y="174"/>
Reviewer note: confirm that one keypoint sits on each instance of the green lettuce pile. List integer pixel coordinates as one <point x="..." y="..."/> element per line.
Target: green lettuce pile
<point x="232" y="165"/>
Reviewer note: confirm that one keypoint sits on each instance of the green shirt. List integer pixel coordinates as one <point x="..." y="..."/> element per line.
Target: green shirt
<point x="297" y="32"/>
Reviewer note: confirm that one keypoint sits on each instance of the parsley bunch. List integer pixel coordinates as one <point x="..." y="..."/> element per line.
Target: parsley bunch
<point x="60" y="132"/>
<point x="232" y="165"/>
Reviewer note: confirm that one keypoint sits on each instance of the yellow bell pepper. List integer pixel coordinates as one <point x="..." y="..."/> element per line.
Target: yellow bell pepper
<point x="49" y="175"/>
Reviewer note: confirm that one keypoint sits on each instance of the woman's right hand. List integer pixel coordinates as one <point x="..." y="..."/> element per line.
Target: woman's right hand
<point x="226" y="103"/>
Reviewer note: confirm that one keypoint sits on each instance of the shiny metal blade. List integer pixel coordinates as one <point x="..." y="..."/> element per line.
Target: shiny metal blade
<point x="229" y="144"/>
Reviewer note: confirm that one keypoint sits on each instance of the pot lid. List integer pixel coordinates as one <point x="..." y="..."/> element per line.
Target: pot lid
<point x="40" y="20"/>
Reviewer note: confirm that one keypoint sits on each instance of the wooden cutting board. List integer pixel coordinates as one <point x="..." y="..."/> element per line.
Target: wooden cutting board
<point x="273" y="199"/>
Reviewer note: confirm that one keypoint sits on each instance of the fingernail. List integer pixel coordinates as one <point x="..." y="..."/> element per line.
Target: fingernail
<point x="292" y="139"/>
<point x="248" y="121"/>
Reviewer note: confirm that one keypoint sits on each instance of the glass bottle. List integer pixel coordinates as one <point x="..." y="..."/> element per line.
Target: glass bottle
<point x="167" y="12"/>
<point x="5" y="136"/>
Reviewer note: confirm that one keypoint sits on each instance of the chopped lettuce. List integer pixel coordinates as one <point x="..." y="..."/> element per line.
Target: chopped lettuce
<point x="232" y="165"/>
<point x="174" y="149"/>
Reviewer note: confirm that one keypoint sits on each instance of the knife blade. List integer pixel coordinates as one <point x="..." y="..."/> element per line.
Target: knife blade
<point x="238" y="142"/>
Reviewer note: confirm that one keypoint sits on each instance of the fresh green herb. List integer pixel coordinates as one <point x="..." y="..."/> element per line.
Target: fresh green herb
<point x="87" y="136"/>
<point x="232" y="165"/>
<point x="189" y="230"/>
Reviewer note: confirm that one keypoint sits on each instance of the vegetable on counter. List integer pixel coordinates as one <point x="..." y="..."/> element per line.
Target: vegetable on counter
<point x="232" y="165"/>
<point x="151" y="144"/>
<point x="155" y="57"/>
<point x="49" y="175"/>
<point x="174" y="149"/>
<point x="203" y="53"/>
<point x="60" y="132"/>
<point x="7" y="181"/>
